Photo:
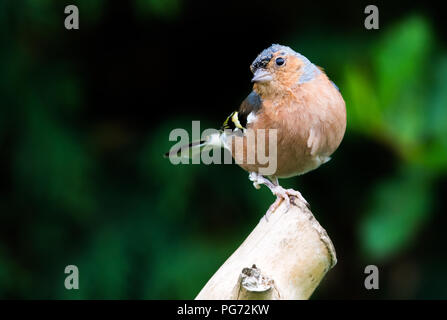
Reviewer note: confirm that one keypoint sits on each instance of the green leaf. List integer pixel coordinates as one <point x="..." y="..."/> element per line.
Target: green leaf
<point x="400" y="58"/>
<point x="399" y="208"/>
<point x="437" y="120"/>
<point x="363" y="108"/>
<point x="401" y="61"/>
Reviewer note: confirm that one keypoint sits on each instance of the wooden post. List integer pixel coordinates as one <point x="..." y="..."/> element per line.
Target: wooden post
<point x="285" y="257"/>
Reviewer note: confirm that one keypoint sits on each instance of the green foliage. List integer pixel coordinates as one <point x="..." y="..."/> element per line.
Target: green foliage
<point x="138" y="226"/>
<point x="400" y="101"/>
<point x="52" y="166"/>
<point x="398" y="210"/>
<point x="400" y="59"/>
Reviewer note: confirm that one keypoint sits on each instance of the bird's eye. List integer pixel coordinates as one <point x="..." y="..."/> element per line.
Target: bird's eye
<point x="280" y="61"/>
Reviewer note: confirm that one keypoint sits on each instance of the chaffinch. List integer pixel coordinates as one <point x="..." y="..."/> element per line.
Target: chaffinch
<point x="297" y="99"/>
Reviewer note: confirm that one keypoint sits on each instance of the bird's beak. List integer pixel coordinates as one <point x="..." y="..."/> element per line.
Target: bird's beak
<point x="262" y="75"/>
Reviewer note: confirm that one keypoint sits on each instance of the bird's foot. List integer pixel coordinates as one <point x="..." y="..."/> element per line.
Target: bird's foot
<point x="288" y="195"/>
<point x="293" y="194"/>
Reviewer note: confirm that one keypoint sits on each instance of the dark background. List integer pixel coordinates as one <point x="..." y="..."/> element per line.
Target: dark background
<point x="85" y="117"/>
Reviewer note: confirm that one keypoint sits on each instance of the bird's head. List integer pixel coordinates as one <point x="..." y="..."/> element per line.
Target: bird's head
<point x="279" y="67"/>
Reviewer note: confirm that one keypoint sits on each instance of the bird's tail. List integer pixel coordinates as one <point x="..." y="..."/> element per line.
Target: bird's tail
<point x="195" y="148"/>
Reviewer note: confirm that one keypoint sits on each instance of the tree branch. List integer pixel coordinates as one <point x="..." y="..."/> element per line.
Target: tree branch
<point x="285" y="257"/>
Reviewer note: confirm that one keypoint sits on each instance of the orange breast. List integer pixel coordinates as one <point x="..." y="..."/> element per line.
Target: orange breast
<point x="314" y="110"/>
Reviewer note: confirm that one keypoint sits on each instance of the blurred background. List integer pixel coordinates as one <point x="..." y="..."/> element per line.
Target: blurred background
<point x="85" y="117"/>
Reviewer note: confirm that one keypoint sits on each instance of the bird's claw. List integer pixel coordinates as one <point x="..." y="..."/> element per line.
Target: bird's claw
<point x="293" y="194"/>
<point x="288" y="195"/>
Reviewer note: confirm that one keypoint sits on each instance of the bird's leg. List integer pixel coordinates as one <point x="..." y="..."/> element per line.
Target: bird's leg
<point x="257" y="180"/>
<point x="280" y="193"/>
<point x="292" y="193"/>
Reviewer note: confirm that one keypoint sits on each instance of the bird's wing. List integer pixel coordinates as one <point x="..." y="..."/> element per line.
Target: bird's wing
<point x="238" y="119"/>
<point x="232" y="122"/>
